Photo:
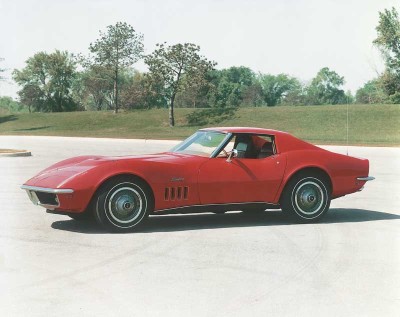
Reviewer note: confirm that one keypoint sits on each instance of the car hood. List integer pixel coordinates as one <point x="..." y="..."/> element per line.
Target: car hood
<point x="60" y="173"/>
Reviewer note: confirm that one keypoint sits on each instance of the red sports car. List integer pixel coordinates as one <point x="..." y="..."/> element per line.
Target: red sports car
<point x="214" y="170"/>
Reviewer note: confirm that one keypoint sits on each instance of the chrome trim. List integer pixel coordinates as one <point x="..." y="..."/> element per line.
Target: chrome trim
<point x="49" y="207"/>
<point x="216" y="205"/>
<point x="33" y="197"/>
<point x="367" y="178"/>
<point x="48" y="190"/>
<point x="31" y="191"/>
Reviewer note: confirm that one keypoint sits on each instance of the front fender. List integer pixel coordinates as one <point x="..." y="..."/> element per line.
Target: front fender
<point x="158" y="175"/>
<point x="86" y="184"/>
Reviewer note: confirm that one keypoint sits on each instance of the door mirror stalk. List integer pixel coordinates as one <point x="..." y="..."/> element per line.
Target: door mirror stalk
<point x="232" y="155"/>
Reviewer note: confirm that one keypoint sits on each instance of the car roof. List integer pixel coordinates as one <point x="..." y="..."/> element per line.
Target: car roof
<point x="246" y="130"/>
<point x="284" y="141"/>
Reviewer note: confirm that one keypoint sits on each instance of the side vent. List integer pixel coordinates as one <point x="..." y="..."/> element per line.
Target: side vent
<point x="176" y="193"/>
<point x="179" y="193"/>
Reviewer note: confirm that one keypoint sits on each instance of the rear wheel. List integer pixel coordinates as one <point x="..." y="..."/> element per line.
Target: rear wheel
<point x="306" y="198"/>
<point x="123" y="203"/>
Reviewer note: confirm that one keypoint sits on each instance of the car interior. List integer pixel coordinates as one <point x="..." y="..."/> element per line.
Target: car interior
<point x="251" y="146"/>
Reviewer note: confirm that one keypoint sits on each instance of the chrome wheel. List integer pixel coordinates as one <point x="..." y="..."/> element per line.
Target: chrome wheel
<point x="125" y="204"/>
<point x="309" y="197"/>
<point x="306" y="198"/>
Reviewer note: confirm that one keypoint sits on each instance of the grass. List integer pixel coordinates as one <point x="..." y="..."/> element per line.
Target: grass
<point x="368" y="124"/>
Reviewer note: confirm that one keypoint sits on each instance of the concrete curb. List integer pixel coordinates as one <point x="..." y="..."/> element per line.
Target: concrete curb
<point x="16" y="154"/>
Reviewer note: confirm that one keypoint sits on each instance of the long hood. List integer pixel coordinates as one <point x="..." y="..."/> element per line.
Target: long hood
<point x="57" y="175"/>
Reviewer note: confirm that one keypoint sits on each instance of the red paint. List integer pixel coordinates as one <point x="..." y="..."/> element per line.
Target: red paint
<point x="205" y="180"/>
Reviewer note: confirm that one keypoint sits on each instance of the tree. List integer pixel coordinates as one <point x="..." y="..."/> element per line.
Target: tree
<point x="46" y="82"/>
<point x="138" y="93"/>
<point x="10" y="104"/>
<point x="33" y="97"/>
<point x="175" y="68"/>
<point x="231" y="85"/>
<point x="117" y="48"/>
<point x="325" y="88"/>
<point x="388" y="42"/>
<point x="253" y="95"/>
<point x="390" y="83"/>
<point x="275" y="87"/>
<point x="2" y="70"/>
<point x="95" y="86"/>
<point x="193" y="97"/>
<point x="296" y="96"/>
<point x="371" y="92"/>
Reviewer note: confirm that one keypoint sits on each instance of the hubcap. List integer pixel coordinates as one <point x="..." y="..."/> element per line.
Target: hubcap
<point x="309" y="198"/>
<point x="125" y="204"/>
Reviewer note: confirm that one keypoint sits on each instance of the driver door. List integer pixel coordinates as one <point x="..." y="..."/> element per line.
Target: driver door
<point x="241" y="180"/>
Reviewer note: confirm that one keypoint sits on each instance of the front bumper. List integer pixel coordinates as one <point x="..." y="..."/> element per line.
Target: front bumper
<point x="45" y="197"/>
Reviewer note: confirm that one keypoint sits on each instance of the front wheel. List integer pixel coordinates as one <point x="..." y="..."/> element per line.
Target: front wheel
<point x="122" y="204"/>
<point x="306" y="198"/>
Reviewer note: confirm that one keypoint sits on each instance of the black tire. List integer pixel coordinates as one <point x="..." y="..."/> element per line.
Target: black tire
<point x="122" y="204"/>
<point x="83" y="216"/>
<point x="306" y="198"/>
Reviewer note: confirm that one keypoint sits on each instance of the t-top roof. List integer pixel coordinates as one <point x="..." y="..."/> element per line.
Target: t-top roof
<point x="246" y="130"/>
<point x="286" y="141"/>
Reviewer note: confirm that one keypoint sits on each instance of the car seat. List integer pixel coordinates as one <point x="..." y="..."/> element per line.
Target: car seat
<point x="266" y="150"/>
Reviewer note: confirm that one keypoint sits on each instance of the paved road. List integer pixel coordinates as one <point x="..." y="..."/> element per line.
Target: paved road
<point x="203" y="265"/>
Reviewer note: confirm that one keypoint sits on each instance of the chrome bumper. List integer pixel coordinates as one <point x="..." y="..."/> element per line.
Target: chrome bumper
<point x="366" y="179"/>
<point x="32" y="190"/>
<point x="48" y="190"/>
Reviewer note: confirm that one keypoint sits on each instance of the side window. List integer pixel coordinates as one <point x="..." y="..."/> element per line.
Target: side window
<point x="245" y="146"/>
<point x="265" y="146"/>
<point x="250" y="146"/>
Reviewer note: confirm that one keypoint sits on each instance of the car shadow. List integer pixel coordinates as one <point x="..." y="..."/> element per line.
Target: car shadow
<point x="170" y="223"/>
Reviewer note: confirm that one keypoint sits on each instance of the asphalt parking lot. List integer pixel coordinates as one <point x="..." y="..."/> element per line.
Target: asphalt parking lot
<point x="198" y="265"/>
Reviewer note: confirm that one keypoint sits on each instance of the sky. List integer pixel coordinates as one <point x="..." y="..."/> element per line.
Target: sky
<point x="296" y="37"/>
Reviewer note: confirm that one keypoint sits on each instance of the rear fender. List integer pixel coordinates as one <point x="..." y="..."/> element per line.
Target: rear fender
<point x="342" y="170"/>
<point x="297" y="163"/>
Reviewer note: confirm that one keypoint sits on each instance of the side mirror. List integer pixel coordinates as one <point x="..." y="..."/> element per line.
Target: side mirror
<point x="233" y="154"/>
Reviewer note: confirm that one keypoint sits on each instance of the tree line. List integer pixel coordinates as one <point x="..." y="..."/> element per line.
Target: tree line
<point x="386" y="87"/>
<point x="179" y="76"/>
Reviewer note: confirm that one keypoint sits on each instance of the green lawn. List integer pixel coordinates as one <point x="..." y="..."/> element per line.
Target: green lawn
<point x="368" y="124"/>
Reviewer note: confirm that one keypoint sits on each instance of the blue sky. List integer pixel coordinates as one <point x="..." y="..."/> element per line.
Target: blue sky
<point x="287" y="36"/>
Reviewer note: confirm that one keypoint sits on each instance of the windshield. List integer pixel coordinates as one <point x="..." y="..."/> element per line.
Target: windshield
<point x="202" y="143"/>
